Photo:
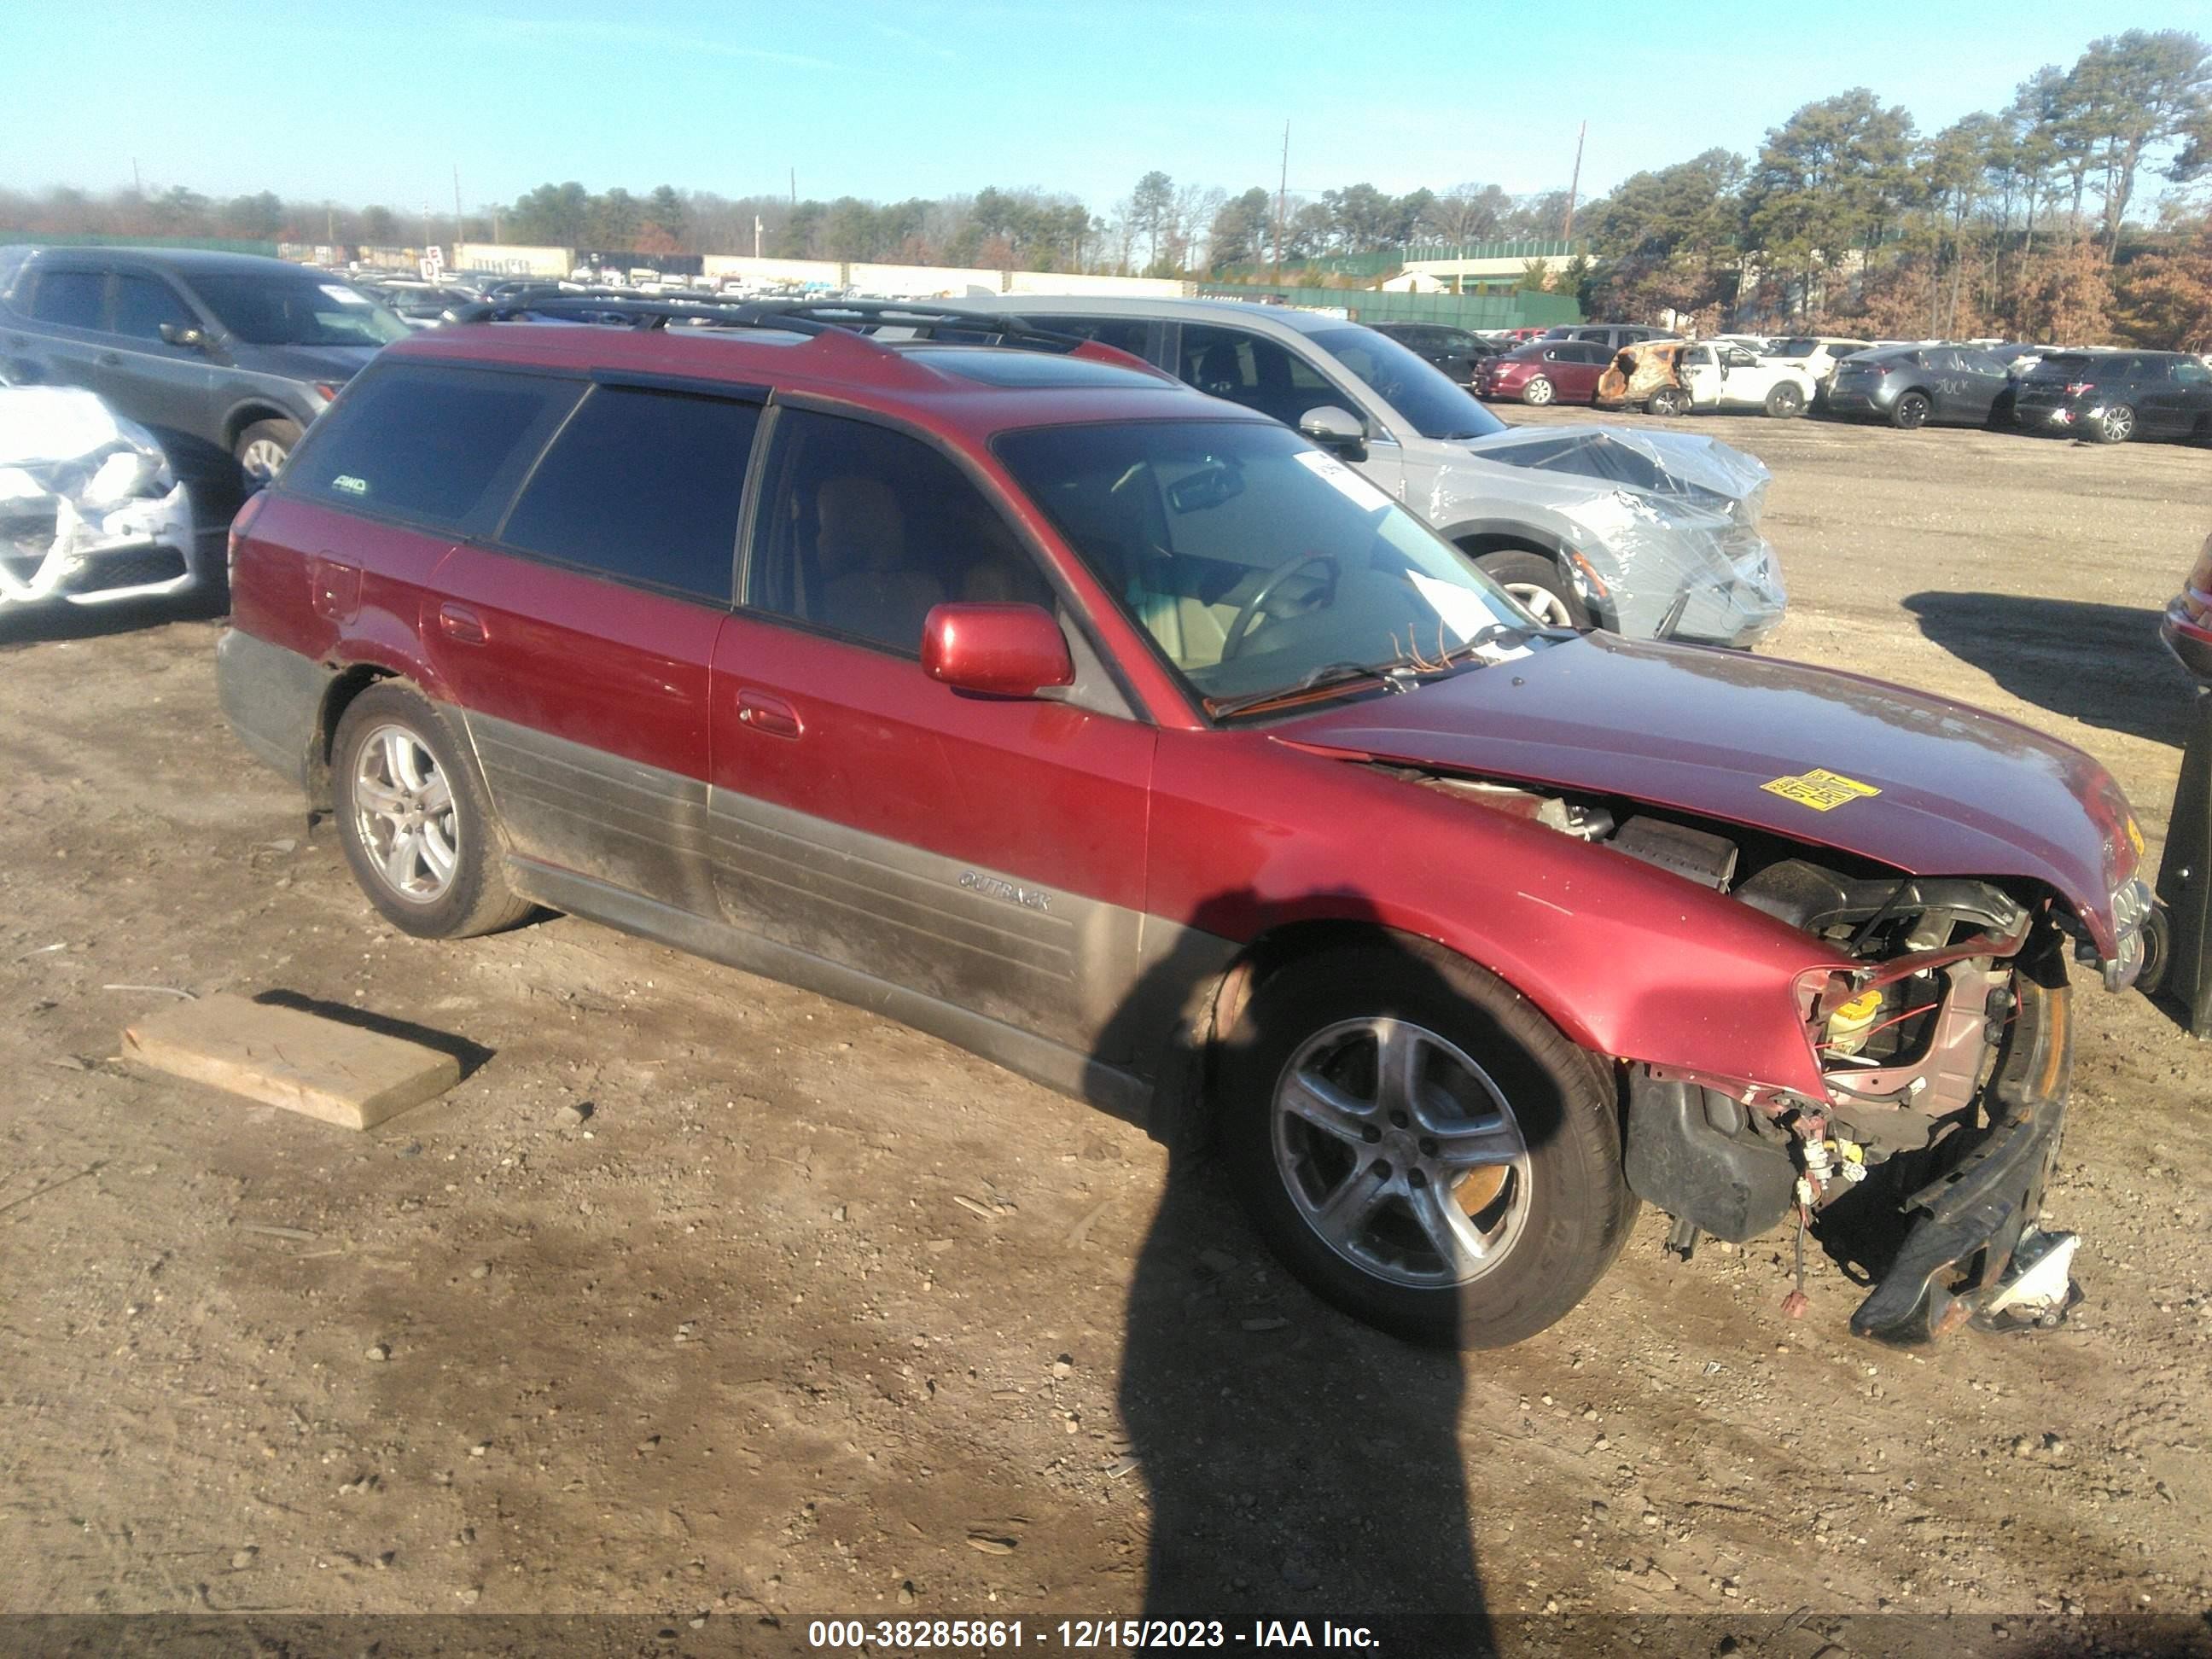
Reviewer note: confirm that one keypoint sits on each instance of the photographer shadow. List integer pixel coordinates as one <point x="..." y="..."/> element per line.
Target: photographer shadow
<point x="1300" y="1464"/>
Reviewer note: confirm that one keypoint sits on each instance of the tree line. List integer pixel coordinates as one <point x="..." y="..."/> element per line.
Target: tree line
<point x="2028" y="221"/>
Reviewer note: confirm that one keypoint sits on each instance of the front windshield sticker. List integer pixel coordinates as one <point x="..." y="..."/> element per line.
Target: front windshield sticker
<point x="1822" y="790"/>
<point x="1463" y="611"/>
<point x="1342" y="478"/>
<point x="345" y="296"/>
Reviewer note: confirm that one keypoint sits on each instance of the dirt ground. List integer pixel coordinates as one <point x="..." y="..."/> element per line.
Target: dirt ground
<point x="702" y="1297"/>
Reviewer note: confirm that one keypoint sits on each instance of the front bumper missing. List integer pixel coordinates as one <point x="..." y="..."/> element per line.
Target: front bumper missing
<point x="1972" y="1253"/>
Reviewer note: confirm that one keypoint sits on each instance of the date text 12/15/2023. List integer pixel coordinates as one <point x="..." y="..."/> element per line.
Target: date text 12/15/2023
<point x="956" y="1635"/>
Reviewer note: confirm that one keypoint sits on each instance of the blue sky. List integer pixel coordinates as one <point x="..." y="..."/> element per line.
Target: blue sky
<point x="379" y="102"/>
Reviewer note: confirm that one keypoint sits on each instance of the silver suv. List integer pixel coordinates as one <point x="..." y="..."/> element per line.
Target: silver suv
<point x="1648" y="533"/>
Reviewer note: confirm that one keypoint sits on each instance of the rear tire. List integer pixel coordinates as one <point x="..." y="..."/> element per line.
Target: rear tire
<point x="1784" y="401"/>
<point x="262" y="448"/>
<point x="1669" y="402"/>
<point x="1536" y="582"/>
<point x="1471" y="1209"/>
<point x="1539" y="391"/>
<point x="416" y="829"/>
<point x="1910" y="413"/>
<point x="2116" y="426"/>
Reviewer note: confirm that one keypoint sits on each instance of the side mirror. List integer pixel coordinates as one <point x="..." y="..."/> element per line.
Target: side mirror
<point x="995" y="650"/>
<point x="1336" y="430"/>
<point x="184" y="334"/>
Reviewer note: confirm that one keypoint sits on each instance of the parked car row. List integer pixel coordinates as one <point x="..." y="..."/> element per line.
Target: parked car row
<point x="1458" y="933"/>
<point x="2108" y="395"/>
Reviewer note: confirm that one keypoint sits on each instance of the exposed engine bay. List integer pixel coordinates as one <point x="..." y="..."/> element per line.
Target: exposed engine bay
<point x="1944" y="1054"/>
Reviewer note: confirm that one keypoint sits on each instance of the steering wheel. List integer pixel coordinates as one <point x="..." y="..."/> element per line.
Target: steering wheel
<point x="1245" y="617"/>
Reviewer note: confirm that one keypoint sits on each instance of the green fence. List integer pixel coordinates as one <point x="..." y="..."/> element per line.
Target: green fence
<point x="1474" y="311"/>
<point x="211" y="244"/>
<point x="1382" y="261"/>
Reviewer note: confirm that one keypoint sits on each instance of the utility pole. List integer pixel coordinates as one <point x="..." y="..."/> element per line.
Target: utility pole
<point x="458" y="232"/>
<point x="1282" y="192"/>
<point x="426" y="224"/>
<point x="795" y="186"/>
<point x="1575" y="188"/>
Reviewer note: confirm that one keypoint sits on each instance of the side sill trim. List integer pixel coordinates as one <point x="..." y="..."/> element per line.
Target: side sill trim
<point x="1056" y="1066"/>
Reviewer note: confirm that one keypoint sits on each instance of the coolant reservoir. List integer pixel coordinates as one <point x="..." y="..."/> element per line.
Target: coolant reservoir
<point x="1848" y="1025"/>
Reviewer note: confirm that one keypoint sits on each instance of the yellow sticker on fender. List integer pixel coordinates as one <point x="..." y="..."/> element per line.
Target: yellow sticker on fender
<point x="1822" y="790"/>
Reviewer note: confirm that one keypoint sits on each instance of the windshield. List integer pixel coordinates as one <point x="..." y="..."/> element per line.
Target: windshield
<point x="1420" y="393"/>
<point x="1252" y="559"/>
<point x="291" y="311"/>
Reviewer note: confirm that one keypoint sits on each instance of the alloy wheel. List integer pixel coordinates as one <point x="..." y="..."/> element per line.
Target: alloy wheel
<point x="262" y="459"/>
<point x="2119" y="424"/>
<point x="1399" y="1153"/>
<point x="1547" y="607"/>
<point x="403" y="814"/>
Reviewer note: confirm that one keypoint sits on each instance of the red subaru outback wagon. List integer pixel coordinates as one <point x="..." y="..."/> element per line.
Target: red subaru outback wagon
<point x="1127" y="738"/>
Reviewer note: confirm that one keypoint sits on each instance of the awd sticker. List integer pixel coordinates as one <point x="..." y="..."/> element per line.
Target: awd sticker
<point x="349" y="484"/>
<point x="1822" y="790"/>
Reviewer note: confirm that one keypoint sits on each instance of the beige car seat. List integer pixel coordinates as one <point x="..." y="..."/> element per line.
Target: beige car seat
<point x="868" y="587"/>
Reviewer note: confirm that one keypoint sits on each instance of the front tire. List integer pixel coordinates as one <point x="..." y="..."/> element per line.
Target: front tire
<point x="1536" y="582"/>
<point x="2117" y="425"/>
<point x="1785" y="401"/>
<point x="262" y="448"/>
<point x="1910" y="412"/>
<point x="416" y="828"/>
<point x="1539" y="391"/>
<point x="1421" y="1147"/>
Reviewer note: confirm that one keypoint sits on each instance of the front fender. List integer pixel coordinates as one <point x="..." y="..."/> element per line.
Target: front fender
<point x="1630" y="961"/>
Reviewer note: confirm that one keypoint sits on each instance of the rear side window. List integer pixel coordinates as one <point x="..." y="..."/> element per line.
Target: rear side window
<point x="1122" y="333"/>
<point x="68" y="298"/>
<point x="441" y="446"/>
<point x="643" y="486"/>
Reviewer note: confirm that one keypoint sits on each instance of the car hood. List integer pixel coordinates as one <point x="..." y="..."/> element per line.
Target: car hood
<point x="1943" y="789"/>
<point x="300" y="362"/>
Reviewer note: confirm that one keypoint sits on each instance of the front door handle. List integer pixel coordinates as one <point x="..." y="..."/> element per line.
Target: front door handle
<point x="460" y="625"/>
<point x="762" y="712"/>
<point x="111" y="359"/>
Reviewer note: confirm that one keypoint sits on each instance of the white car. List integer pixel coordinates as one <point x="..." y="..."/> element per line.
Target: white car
<point x="1720" y="376"/>
<point x="1818" y="354"/>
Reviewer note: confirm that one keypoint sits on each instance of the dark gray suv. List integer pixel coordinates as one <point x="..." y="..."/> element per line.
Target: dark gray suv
<point x="224" y="357"/>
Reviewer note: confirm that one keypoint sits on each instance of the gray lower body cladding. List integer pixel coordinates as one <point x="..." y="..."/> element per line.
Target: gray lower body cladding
<point x="273" y="699"/>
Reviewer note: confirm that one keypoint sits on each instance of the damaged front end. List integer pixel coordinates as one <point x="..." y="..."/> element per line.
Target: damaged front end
<point x="90" y="511"/>
<point x="1944" y="1061"/>
<point x="1660" y="529"/>
<point x="1940" y="1038"/>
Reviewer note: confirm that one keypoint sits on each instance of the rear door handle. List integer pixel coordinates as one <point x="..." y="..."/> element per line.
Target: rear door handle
<point x="762" y="712"/>
<point x="460" y="625"/>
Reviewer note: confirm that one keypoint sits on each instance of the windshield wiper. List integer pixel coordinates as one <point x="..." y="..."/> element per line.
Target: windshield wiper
<point x="1393" y="675"/>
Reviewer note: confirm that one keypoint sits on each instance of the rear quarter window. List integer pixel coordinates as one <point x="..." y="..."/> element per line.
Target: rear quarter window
<point x="436" y="445"/>
<point x="643" y="486"/>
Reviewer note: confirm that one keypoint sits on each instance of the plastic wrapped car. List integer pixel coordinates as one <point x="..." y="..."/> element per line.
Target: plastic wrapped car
<point x="90" y="511"/>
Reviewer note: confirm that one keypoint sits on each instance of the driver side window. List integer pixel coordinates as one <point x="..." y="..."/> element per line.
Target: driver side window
<point x="866" y="531"/>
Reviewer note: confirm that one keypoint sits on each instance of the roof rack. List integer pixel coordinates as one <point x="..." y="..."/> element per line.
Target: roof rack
<point x="864" y="314"/>
<point x="854" y="318"/>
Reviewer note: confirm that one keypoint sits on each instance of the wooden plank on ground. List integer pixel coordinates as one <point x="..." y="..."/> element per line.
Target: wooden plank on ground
<point x="327" y="1069"/>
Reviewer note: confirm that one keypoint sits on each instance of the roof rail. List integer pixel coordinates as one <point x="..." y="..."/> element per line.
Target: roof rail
<point x="921" y="315"/>
<point x="849" y="320"/>
<point x="654" y="314"/>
